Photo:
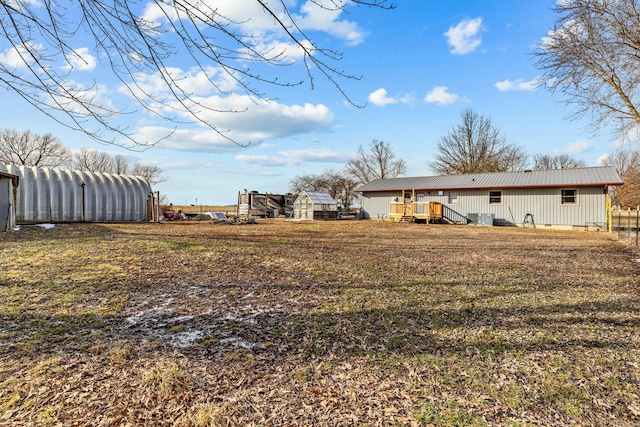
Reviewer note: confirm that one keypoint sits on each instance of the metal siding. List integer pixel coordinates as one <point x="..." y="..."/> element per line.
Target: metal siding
<point x="544" y="204"/>
<point x="377" y="204"/>
<point x="56" y="195"/>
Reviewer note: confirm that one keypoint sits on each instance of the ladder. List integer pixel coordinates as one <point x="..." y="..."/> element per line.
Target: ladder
<point x="528" y="221"/>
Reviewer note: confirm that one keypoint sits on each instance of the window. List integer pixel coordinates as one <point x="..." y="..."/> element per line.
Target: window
<point x="569" y="197"/>
<point x="453" y="198"/>
<point x="495" y="197"/>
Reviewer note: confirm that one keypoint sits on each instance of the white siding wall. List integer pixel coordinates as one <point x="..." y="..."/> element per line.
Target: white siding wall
<point x="544" y="204"/>
<point x="56" y="195"/>
<point x="376" y="205"/>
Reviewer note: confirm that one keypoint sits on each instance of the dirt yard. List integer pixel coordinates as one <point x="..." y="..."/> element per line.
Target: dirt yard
<point x="351" y="323"/>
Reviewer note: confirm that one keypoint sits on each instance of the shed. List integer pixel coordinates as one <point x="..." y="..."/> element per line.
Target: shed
<point x="8" y="190"/>
<point x="560" y="198"/>
<point x="315" y="205"/>
<point x="58" y="195"/>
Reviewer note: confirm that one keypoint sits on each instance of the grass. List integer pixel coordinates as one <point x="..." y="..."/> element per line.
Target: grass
<point x="336" y="323"/>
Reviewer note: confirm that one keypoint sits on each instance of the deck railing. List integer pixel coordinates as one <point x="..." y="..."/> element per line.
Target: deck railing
<point x="453" y="216"/>
<point x="415" y="210"/>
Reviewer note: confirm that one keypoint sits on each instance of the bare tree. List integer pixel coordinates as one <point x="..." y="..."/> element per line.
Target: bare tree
<point x="626" y="161"/>
<point x="90" y="160"/>
<point x="476" y="146"/>
<point x="561" y="161"/>
<point x="152" y="174"/>
<point x="339" y="185"/>
<point x="29" y="149"/>
<point x="592" y="55"/>
<point x="120" y="165"/>
<point x="134" y="45"/>
<point x="310" y="182"/>
<point x="377" y="163"/>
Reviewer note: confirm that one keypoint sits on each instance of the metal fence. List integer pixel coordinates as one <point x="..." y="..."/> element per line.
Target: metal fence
<point x="627" y="224"/>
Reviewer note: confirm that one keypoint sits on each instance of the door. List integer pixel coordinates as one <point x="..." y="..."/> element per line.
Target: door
<point x="408" y="204"/>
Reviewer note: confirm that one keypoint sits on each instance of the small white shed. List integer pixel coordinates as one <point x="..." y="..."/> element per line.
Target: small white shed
<point x="8" y="189"/>
<point x="315" y="205"/>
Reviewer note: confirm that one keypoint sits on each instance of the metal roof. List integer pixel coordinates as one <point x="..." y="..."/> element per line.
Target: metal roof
<point x="575" y="177"/>
<point x="320" y="197"/>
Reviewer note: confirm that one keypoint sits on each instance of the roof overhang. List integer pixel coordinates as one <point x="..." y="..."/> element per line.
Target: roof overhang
<point x="14" y="178"/>
<point x="501" y="187"/>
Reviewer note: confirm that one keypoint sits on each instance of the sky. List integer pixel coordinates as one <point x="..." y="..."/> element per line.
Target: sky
<point x="419" y="65"/>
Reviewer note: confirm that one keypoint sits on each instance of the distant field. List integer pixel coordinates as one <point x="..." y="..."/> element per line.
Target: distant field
<point x="205" y="208"/>
<point x="343" y="323"/>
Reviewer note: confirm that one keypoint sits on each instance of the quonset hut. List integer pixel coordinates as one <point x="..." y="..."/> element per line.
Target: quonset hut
<point x="56" y="195"/>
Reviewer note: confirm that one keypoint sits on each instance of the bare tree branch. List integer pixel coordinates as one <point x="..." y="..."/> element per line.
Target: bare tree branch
<point x="592" y="56"/>
<point x="561" y="161"/>
<point x="134" y="48"/>
<point x="377" y="163"/>
<point x="476" y="146"/>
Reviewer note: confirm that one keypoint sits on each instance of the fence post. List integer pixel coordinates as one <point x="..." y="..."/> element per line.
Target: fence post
<point x="629" y="223"/>
<point x="619" y="211"/>
<point x="637" y="222"/>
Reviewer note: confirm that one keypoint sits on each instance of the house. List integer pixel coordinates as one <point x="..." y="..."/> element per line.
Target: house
<point x="8" y="192"/>
<point x="315" y="205"/>
<point x="58" y="195"/>
<point x="562" y="198"/>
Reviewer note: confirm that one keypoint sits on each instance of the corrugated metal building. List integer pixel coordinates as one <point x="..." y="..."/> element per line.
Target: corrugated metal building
<point x="315" y="205"/>
<point x="560" y="197"/>
<point x="8" y="189"/>
<point x="55" y="195"/>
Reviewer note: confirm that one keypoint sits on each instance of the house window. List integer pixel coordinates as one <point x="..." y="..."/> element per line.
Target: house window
<point x="453" y="198"/>
<point x="495" y="197"/>
<point x="569" y="197"/>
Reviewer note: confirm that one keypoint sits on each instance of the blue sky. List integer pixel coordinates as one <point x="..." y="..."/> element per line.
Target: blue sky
<point x="421" y="64"/>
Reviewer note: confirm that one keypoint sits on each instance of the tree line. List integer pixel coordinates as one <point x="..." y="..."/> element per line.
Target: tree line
<point x="30" y="149"/>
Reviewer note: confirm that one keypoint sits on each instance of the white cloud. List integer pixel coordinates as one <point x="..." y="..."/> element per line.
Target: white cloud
<point x="296" y="157"/>
<point x="518" y="85"/>
<point x="568" y="31"/>
<point x="464" y="38"/>
<point x="249" y="17"/>
<point x="20" y="56"/>
<point x="602" y="159"/>
<point x="579" y="147"/>
<point x="81" y="60"/>
<point x="440" y="95"/>
<point x="193" y="81"/>
<point x="251" y="125"/>
<point x="326" y="19"/>
<point x="379" y="97"/>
